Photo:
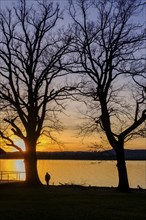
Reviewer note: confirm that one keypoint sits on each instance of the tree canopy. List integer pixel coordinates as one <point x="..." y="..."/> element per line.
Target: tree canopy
<point x="32" y="58"/>
<point x="109" y="51"/>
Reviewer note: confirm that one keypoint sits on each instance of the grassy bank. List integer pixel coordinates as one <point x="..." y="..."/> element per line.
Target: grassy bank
<point x="69" y="202"/>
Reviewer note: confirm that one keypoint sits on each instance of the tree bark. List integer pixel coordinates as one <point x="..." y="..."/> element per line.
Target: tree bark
<point x="122" y="171"/>
<point x="30" y="162"/>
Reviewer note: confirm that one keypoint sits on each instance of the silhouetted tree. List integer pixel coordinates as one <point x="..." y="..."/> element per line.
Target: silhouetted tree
<point x="32" y="53"/>
<point x="109" y="48"/>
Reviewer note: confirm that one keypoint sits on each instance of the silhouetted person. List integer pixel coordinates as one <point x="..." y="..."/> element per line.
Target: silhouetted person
<point x="139" y="187"/>
<point x="47" y="178"/>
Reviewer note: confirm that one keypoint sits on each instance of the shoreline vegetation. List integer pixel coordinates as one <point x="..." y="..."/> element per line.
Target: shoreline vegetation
<point x="70" y="202"/>
<point x="80" y="155"/>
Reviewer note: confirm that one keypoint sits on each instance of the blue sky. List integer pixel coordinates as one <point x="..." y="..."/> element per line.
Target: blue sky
<point x="71" y="135"/>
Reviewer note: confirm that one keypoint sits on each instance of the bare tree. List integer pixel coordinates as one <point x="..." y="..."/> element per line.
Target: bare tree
<point x="109" y="48"/>
<point x="32" y="53"/>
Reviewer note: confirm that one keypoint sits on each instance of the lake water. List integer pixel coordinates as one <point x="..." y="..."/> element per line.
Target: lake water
<point x="84" y="172"/>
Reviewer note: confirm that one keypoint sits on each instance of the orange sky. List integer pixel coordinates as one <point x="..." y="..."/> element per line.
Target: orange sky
<point x="72" y="142"/>
<point x="70" y="138"/>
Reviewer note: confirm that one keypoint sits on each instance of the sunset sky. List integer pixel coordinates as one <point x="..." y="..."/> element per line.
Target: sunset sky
<point x="70" y="139"/>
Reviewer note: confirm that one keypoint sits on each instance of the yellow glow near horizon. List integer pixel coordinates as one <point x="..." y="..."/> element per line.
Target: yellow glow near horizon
<point x="70" y="142"/>
<point x="73" y="143"/>
<point x="20" y="143"/>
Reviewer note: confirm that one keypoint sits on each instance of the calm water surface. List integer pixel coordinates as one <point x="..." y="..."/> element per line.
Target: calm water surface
<point x="93" y="173"/>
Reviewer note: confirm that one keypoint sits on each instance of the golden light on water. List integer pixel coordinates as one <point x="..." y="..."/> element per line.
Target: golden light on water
<point x="93" y="173"/>
<point x="78" y="172"/>
<point x="19" y="165"/>
<point x="12" y="169"/>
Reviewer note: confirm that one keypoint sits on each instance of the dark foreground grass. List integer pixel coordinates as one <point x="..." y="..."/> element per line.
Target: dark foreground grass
<point x="70" y="202"/>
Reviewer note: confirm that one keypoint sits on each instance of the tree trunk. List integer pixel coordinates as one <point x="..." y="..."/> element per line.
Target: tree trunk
<point x="122" y="171"/>
<point x="30" y="162"/>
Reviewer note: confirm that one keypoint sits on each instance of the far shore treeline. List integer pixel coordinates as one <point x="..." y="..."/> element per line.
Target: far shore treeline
<point x="138" y="154"/>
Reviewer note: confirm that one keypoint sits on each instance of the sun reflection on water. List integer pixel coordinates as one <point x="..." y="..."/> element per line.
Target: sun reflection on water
<point x="88" y="173"/>
<point x="12" y="169"/>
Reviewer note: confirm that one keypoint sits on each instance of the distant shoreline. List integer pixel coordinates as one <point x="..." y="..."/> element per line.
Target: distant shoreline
<point x="135" y="155"/>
